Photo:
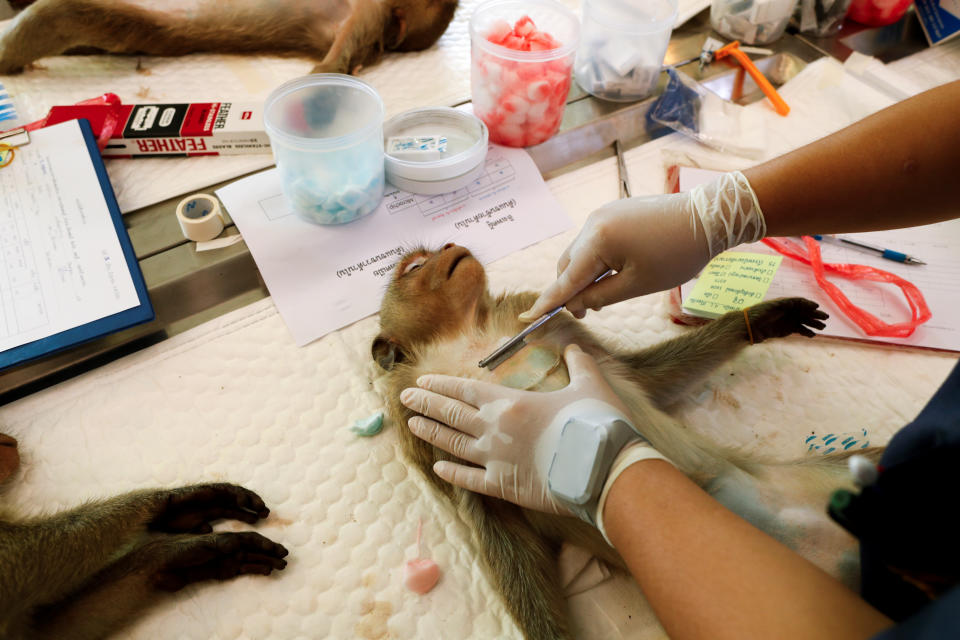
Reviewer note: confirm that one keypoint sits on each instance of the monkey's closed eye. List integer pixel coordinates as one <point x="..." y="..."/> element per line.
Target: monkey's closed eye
<point x="414" y="264"/>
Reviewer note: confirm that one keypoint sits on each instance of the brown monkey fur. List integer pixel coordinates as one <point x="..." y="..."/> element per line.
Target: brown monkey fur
<point x="438" y="317"/>
<point x="340" y="35"/>
<point x="87" y="572"/>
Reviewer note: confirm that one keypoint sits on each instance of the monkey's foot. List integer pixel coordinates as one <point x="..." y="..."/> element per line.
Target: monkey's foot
<point x="218" y="556"/>
<point x="785" y="316"/>
<point x="192" y="509"/>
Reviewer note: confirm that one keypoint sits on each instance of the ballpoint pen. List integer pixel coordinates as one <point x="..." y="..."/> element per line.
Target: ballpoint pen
<point x="889" y="254"/>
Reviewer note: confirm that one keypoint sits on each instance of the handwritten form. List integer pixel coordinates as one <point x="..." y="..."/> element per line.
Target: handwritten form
<point x="731" y="281"/>
<point x="323" y="278"/>
<point x="61" y="265"/>
<point x="935" y="244"/>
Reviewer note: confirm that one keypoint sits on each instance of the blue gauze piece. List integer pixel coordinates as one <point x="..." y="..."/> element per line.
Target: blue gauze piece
<point x="370" y="426"/>
<point x="678" y="106"/>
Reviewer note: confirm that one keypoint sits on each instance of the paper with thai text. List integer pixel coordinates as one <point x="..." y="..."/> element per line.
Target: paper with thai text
<point x="324" y="277"/>
<point x="61" y="263"/>
<point x="732" y="281"/>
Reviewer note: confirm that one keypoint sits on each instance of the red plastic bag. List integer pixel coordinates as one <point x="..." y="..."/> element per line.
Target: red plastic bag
<point x="871" y="325"/>
<point x="113" y="118"/>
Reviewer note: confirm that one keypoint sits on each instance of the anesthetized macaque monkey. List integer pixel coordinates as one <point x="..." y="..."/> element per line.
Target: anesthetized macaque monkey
<point x="438" y="317"/>
<point x="87" y="572"/>
<point x="340" y="35"/>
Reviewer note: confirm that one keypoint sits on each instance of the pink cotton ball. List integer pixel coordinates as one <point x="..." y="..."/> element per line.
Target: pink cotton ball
<point x="420" y="575"/>
<point x="524" y="27"/>
<point x="538" y="91"/>
<point x="498" y="31"/>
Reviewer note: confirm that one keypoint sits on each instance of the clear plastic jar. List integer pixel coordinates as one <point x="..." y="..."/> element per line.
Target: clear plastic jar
<point x="326" y="133"/>
<point x="622" y="45"/>
<point x="521" y="94"/>
<point x="751" y="21"/>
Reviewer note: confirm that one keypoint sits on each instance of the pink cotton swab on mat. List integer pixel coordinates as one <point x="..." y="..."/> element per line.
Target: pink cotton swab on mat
<point x="420" y="575"/>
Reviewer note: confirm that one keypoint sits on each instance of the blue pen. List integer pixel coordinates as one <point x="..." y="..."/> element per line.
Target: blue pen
<point x="889" y="254"/>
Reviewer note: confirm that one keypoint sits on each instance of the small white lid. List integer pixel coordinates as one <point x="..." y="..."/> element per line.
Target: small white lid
<point x="436" y="172"/>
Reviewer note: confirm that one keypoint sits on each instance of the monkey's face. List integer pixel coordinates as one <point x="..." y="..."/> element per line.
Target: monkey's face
<point x="432" y="294"/>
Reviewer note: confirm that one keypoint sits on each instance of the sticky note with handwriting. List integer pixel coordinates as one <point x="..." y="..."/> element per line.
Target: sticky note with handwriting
<point x="731" y="281"/>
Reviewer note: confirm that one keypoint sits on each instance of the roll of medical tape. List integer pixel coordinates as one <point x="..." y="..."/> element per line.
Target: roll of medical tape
<point x="200" y="217"/>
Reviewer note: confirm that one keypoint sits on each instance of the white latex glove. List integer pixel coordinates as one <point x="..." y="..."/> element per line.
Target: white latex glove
<point x="509" y="434"/>
<point x="653" y="243"/>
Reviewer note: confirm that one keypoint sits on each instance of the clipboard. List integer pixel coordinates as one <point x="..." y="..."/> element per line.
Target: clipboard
<point x="141" y="312"/>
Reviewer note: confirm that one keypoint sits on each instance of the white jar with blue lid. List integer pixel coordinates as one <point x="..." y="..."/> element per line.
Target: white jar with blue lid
<point x="434" y="150"/>
<point x="326" y="132"/>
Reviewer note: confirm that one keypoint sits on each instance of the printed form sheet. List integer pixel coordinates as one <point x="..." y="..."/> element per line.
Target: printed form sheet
<point x="61" y="264"/>
<point x="323" y="278"/>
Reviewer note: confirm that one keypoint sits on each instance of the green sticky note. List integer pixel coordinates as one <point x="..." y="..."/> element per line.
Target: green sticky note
<point x="731" y="281"/>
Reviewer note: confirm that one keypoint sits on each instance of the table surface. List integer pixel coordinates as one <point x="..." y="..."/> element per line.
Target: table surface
<point x="188" y="288"/>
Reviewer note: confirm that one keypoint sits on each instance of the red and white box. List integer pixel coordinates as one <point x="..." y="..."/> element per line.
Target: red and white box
<point x="164" y="130"/>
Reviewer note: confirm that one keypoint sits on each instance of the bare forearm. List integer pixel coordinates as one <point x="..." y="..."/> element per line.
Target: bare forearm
<point x="893" y="169"/>
<point x="709" y="574"/>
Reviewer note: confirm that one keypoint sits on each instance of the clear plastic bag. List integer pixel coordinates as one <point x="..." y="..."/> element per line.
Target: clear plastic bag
<point x="692" y="109"/>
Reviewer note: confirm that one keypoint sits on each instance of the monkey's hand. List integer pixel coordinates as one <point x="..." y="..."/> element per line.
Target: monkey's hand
<point x="192" y="509"/>
<point x="216" y="556"/>
<point x="783" y="317"/>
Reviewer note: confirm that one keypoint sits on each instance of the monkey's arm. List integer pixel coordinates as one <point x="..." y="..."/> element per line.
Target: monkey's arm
<point x="45" y="559"/>
<point x="709" y="574"/>
<point x="114" y="596"/>
<point x="669" y="369"/>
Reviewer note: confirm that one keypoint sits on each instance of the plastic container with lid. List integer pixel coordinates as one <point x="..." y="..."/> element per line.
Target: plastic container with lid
<point x="326" y="132"/>
<point x="521" y="67"/>
<point x="751" y="21"/>
<point x="622" y="44"/>
<point x="434" y="150"/>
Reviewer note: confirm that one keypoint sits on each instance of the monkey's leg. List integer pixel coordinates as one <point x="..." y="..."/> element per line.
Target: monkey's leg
<point x="115" y="596"/>
<point x="359" y="40"/>
<point x="523" y="565"/>
<point x="51" y="27"/>
<point x="46" y="559"/>
<point x="667" y="370"/>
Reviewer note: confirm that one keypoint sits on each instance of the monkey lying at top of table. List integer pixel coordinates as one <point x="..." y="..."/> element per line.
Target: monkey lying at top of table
<point x="438" y="317"/>
<point x="340" y="35"/>
<point x="87" y="572"/>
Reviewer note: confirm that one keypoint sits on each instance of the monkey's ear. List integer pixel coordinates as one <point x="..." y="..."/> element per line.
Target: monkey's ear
<point x="9" y="457"/>
<point x="396" y="30"/>
<point x="387" y="352"/>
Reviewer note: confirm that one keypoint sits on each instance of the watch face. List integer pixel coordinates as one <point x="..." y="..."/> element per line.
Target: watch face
<point x="572" y="475"/>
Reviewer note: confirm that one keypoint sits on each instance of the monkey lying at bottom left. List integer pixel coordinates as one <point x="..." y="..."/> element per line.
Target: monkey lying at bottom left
<point x="87" y="572"/>
<point x="438" y="317"/>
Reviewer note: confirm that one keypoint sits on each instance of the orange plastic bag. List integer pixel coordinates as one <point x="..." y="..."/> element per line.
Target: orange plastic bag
<point x="871" y="325"/>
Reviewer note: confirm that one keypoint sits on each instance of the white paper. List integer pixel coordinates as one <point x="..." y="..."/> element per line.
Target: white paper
<point x="935" y="244"/>
<point x="323" y="278"/>
<point x="61" y="264"/>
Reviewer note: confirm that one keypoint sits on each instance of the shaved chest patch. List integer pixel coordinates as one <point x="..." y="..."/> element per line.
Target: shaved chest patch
<point x="536" y="367"/>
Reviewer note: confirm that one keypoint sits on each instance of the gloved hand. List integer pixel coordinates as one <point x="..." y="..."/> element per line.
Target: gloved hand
<point x="653" y="243"/>
<point x="510" y="434"/>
